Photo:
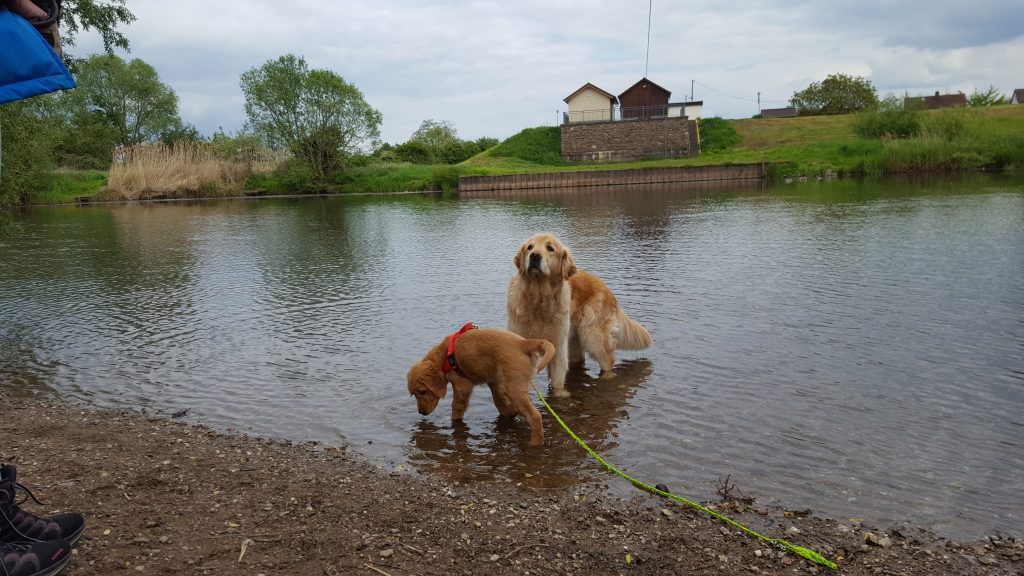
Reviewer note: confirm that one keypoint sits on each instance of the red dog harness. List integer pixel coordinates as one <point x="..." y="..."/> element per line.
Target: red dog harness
<point x="449" y="360"/>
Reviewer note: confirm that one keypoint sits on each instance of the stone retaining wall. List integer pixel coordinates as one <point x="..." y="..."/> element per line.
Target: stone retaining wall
<point x="626" y="140"/>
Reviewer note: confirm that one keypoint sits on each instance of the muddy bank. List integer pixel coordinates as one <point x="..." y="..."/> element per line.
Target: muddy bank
<point x="162" y="497"/>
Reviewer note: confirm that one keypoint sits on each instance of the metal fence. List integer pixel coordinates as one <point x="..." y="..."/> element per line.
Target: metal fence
<point x="619" y="114"/>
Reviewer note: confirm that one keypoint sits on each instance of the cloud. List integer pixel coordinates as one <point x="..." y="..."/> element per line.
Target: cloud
<point x="493" y="69"/>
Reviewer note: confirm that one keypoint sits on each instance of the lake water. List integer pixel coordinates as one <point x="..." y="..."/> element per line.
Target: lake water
<point x="852" y="347"/>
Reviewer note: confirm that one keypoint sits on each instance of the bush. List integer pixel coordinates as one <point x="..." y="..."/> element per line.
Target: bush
<point x="445" y="178"/>
<point x="294" y="176"/>
<point x="890" y="120"/>
<point x="28" y="139"/>
<point x="717" y="135"/>
<point x="948" y="124"/>
<point x="414" y="152"/>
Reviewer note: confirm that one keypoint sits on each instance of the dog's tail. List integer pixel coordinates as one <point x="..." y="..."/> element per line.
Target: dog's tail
<point x="632" y="335"/>
<point x="541" y="351"/>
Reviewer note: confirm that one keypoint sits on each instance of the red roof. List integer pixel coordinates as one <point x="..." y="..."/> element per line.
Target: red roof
<point x="641" y="83"/>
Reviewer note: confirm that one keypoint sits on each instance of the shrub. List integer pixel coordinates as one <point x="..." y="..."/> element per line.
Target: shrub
<point x="890" y="120"/>
<point x="445" y="178"/>
<point x="414" y="152"/>
<point x="948" y="124"/>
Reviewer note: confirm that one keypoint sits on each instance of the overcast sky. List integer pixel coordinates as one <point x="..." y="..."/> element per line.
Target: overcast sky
<point x="494" y="68"/>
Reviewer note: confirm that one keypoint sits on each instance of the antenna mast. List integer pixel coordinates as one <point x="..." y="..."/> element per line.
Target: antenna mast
<point x="650" y="5"/>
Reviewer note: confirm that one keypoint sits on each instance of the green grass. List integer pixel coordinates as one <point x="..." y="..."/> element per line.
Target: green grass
<point x="63" y="187"/>
<point x="974" y="139"/>
<point x="971" y="139"/>
<point x="542" y="145"/>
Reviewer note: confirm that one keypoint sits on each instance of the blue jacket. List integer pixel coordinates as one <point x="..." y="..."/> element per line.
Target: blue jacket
<point x="28" y="65"/>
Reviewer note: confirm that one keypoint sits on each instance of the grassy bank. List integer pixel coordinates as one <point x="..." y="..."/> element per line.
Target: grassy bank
<point x="950" y="140"/>
<point x="65" y="186"/>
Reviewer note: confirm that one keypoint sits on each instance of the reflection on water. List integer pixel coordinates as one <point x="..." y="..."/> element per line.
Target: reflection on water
<point x="464" y="453"/>
<point x="853" y="347"/>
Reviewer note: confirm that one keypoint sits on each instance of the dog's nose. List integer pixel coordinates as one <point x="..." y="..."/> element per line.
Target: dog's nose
<point x="534" y="260"/>
<point x="424" y="412"/>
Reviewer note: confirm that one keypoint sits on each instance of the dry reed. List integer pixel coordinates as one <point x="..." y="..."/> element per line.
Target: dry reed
<point x="183" y="170"/>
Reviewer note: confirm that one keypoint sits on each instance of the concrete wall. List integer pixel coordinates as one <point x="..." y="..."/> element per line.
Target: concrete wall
<point x="587" y="178"/>
<point x="626" y="140"/>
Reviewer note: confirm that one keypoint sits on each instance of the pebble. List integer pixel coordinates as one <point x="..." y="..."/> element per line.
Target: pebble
<point x="387" y="553"/>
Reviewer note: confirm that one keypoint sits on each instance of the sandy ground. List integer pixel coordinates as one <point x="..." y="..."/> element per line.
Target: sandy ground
<point x="162" y="497"/>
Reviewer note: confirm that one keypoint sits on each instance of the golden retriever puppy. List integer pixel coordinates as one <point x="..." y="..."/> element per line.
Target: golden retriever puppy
<point x="506" y="362"/>
<point x="549" y="298"/>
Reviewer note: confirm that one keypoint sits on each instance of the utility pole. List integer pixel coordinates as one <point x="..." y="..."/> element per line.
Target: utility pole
<point x="691" y="90"/>
<point x="759" y="102"/>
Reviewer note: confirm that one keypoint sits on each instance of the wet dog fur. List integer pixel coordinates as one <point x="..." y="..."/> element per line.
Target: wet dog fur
<point x="506" y="362"/>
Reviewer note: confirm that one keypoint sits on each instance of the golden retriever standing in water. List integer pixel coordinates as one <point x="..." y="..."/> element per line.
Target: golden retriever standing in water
<point x="504" y="361"/>
<point x="549" y="298"/>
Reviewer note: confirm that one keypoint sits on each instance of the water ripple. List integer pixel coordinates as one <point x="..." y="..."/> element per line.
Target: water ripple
<point x="861" y="357"/>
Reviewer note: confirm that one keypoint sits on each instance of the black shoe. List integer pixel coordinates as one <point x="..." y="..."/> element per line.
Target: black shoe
<point x="17" y="525"/>
<point x="34" y="558"/>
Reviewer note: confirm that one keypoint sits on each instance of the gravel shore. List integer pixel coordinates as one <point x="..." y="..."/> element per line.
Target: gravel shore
<point x="163" y="497"/>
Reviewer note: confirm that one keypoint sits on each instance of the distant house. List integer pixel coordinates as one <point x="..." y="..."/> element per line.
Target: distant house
<point x="936" y="101"/>
<point x="786" y="112"/>
<point x="1018" y="96"/>
<point x="590" y="104"/>
<point x="643" y="100"/>
<point x="691" y="110"/>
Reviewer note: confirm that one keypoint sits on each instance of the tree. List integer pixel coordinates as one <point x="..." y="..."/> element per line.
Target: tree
<point x="316" y="114"/>
<point x="435" y="136"/>
<point x="29" y="135"/>
<point x="990" y="97"/>
<point x="128" y="96"/>
<point x="836" y="94"/>
<point x="104" y="17"/>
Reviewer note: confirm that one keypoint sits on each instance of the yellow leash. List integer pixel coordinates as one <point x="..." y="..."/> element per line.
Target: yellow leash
<point x="806" y="553"/>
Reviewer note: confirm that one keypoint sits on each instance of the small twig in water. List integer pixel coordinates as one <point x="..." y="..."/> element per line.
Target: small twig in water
<point x="725" y="490"/>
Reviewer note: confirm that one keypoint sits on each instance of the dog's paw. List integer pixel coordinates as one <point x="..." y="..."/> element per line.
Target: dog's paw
<point x="559" y="392"/>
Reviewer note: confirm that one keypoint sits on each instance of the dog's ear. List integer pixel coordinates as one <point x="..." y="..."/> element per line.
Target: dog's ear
<point x="518" y="258"/>
<point x="568" y="266"/>
<point x="435" y="381"/>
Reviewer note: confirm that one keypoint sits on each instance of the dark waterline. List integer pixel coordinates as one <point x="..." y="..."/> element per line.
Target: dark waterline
<point x="853" y="347"/>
